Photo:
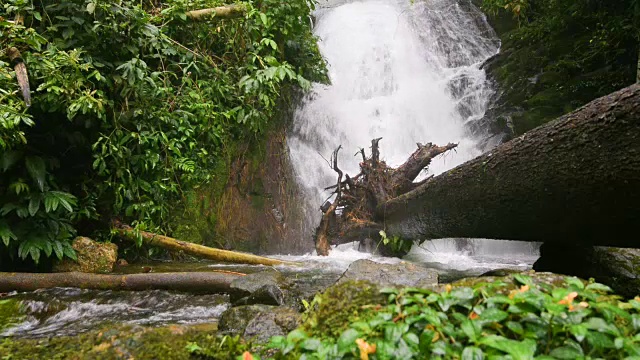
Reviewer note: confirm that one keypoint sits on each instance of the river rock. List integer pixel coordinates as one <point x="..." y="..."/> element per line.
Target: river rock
<point x="234" y="320"/>
<point x="278" y="321"/>
<point x="255" y="281"/>
<point x="401" y="274"/>
<point x="259" y="322"/>
<point x="93" y="257"/>
<point x="617" y="267"/>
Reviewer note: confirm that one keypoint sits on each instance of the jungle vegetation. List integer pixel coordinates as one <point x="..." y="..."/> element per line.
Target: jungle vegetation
<point x="558" y="55"/>
<point x="132" y="103"/>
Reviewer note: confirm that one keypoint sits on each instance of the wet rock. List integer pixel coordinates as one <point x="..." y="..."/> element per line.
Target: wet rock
<point x="259" y="322"/>
<point x="537" y="278"/>
<point x="93" y="257"/>
<point x="266" y="287"/>
<point x="266" y="295"/>
<point x="255" y="281"/>
<point x="235" y="319"/>
<point x="278" y="321"/>
<point x="617" y="267"/>
<point x="500" y="272"/>
<point x="401" y="274"/>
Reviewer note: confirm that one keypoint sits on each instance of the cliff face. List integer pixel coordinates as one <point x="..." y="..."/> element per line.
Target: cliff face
<point x="253" y="204"/>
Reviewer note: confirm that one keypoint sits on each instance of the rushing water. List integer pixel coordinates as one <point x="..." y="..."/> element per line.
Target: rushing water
<point x="406" y="72"/>
<point x="409" y="73"/>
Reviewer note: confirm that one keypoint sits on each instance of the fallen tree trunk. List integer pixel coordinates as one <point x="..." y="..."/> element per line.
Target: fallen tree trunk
<point x="200" y="251"/>
<point x="194" y="282"/>
<point x="220" y="12"/>
<point x="573" y="180"/>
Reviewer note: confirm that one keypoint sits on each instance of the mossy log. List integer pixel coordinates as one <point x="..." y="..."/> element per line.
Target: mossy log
<point x="220" y="12"/>
<point x="194" y="282"/>
<point x="200" y="251"/>
<point x="575" y="180"/>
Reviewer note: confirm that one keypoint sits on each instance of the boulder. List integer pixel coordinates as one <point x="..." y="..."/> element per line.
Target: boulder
<point x="259" y="322"/>
<point x="234" y="320"/>
<point x="396" y="275"/>
<point x="93" y="257"/>
<point x="617" y="267"/>
<point x="267" y="287"/>
<point x="278" y="321"/>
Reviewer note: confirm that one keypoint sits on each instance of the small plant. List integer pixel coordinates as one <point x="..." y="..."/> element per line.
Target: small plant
<point x="395" y="243"/>
<point x="521" y="320"/>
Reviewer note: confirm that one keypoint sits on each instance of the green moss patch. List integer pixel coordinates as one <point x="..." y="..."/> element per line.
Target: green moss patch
<point x="114" y="342"/>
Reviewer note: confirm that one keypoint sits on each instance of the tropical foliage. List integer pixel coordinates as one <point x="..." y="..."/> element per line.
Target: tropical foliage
<point x="132" y="103"/>
<point x="559" y="55"/>
<point x="519" y="320"/>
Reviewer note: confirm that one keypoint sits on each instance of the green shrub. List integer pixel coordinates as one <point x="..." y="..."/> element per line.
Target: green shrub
<point x="489" y="320"/>
<point x="132" y="104"/>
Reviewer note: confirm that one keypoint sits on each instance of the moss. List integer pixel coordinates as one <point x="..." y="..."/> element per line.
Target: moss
<point x="10" y="313"/>
<point x="119" y="342"/>
<point x="545" y="73"/>
<point x="332" y="311"/>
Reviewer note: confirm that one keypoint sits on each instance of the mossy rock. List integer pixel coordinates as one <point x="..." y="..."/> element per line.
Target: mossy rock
<point x="93" y="257"/>
<point x="115" y="342"/>
<point x="10" y="313"/>
<point x="331" y="311"/>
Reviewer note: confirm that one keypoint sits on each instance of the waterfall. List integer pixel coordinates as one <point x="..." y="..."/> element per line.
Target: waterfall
<point x="405" y="71"/>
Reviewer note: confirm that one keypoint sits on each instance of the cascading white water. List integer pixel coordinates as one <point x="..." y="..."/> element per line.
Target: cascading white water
<point x="405" y="71"/>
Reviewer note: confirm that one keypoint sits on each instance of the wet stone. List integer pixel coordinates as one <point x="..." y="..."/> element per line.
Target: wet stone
<point x="266" y="295"/>
<point x="277" y="321"/>
<point x="401" y="274"/>
<point x="259" y="322"/>
<point x="235" y="319"/>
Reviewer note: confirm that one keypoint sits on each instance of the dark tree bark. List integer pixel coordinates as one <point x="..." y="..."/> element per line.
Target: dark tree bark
<point x="194" y="282"/>
<point x="575" y="180"/>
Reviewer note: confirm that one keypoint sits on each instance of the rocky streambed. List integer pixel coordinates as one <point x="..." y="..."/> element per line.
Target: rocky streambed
<point x="65" y="323"/>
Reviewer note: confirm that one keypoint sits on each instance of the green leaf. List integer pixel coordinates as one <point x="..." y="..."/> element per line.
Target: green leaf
<point x="599" y="287"/>
<point x="69" y="251"/>
<point x="311" y="344"/>
<point x="516" y="327"/>
<point x="523" y="279"/>
<point x="8" y="158"/>
<point x="34" y="204"/>
<point x="567" y="352"/>
<point x="37" y="171"/>
<point x="574" y="282"/>
<point x="347" y="340"/>
<point x="297" y="336"/>
<point x="472" y="353"/>
<point x="263" y="18"/>
<point x="5" y="233"/>
<point x="58" y="249"/>
<point x="519" y="350"/>
<point x="470" y="329"/>
<point x="492" y="315"/>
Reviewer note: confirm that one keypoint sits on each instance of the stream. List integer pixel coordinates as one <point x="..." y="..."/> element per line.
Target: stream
<point x="406" y="72"/>
<point x="67" y="311"/>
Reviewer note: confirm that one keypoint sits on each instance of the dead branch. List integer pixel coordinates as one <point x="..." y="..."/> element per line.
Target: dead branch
<point x="220" y="12"/>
